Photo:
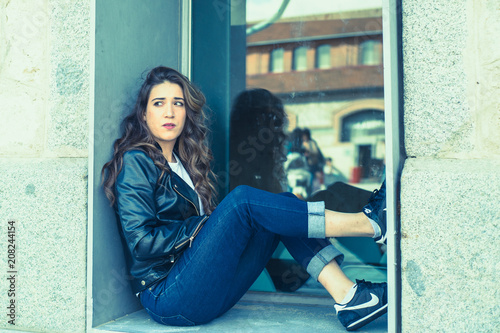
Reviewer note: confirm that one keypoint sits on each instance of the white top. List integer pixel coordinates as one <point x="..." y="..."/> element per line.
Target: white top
<point x="179" y="169"/>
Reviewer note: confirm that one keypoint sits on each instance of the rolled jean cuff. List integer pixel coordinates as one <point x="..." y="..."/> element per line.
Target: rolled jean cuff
<point x="316" y="221"/>
<point x="322" y="258"/>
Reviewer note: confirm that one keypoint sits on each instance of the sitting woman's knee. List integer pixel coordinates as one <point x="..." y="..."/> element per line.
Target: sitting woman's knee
<point x="242" y="192"/>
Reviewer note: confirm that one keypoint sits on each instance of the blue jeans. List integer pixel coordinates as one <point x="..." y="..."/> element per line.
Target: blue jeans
<point x="231" y="251"/>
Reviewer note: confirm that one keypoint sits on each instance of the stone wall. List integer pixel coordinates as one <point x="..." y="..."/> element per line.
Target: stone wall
<point x="451" y="183"/>
<point x="45" y="54"/>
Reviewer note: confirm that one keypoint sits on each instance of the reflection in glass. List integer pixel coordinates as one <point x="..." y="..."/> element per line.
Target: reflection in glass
<point x="326" y="68"/>
<point x="347" y="48"/>
<point x="277" y="63"/>
<point x="300" y="58"/>
<point x="323" y="56"/>
<point x="371" y="52"/>
<point x="257" y="138"/>
<point x="365" y="125"/>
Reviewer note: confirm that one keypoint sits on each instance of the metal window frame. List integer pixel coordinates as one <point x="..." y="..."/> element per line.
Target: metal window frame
<point x="391" y="14"/>
<point x="186" y="37"/>
<point x="278" y="55"/>
<point x="394" y="138"/>
<point x="90" y="180"/>
<point x="185" y="65"/>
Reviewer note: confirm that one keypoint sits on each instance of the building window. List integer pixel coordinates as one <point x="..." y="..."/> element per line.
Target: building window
<point x="277" y="63"/>
<point x="300" y="58"/>
<point x="323" y="57"/>
<point x="365" y="130"/>
<point x="363" y="126"/>
<point x="370" y="53"/>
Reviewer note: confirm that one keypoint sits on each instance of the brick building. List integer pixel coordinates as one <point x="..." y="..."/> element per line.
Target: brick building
<point x="328" y="71"/>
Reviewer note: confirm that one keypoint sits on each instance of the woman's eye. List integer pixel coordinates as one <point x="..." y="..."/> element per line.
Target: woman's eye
<point x="179" y="103"/>
<point x="158" y="103"/>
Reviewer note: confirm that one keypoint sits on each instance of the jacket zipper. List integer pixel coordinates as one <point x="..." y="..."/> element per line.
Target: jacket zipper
<point x="190" y="239"/>
<point x="192" y="203"/>
<point x="196" y="231"/>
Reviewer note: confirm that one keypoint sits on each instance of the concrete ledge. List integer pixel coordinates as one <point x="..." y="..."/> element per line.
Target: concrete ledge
<point x="253" y="314"/>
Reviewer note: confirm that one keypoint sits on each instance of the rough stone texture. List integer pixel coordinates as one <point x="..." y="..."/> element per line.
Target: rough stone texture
<point x="69" y="40"/>
<point x="450" y="213"/>
<point x="437" y="118"/>
<point x="450" y="223"/>
<point x="482" y="65"/>
<point x="451" y="65"/>
<point x="44" y="77"/>
<point x="45" y="99"/>
<point x="23" y="73"/>
<point x="48" y="199"/>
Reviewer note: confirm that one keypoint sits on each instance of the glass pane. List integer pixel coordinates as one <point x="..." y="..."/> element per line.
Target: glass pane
<point x="300" y="58"/>
<point x="277" y="63"/>
<point x="371" y="52"/>
<point x="363" y="125"/>
<point x="316" y="133"/>
<point x="324" y="56"/>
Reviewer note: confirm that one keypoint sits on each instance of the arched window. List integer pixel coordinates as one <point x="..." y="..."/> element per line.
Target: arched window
<point x="323" y="56"/>
<point x="300" y="58"/>
<point x="277" y="63"/>
<point x="364" y="126"/>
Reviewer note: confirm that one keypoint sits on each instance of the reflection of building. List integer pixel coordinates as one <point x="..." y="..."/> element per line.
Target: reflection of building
<point x="328" y="71"/>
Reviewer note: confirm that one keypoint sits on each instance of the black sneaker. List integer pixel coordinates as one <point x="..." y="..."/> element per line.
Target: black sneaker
<point x="368" y="303"/>
<point x="376" y="210"/>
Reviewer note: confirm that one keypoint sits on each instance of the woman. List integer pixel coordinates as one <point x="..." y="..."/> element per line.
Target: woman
<point x="192" y="261"/>
<point x="314" y="155"/>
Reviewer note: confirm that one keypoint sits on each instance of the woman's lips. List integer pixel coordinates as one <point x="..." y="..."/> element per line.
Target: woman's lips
<point x="169" y="126"/>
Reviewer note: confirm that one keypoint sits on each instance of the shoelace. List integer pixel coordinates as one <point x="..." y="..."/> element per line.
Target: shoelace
<point x="366" y="283"/>
<point x="373" y="195"/>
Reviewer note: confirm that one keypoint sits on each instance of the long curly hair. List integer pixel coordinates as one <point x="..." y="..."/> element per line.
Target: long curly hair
<point x="257" y="139"/>
<point x="191" y="146"/>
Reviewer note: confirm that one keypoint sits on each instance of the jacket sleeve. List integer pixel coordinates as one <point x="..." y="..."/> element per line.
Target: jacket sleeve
<point x="146" y="238"/>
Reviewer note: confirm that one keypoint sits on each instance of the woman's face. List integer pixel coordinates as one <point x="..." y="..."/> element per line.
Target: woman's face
<point x="166" y="114"/>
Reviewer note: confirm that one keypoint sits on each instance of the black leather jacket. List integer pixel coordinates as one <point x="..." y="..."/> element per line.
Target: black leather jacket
<point x="158" y="218"/>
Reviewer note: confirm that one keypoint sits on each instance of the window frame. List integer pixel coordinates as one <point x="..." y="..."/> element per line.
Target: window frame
<point x="348" y="119"/>
<point x="303" y="57"/>
<point x="318" y="55"/>
<point x="272" y="59"/>
<point x="395" y="155"/>
<point x="368" y="49"/>
<point x="392" y="60"/>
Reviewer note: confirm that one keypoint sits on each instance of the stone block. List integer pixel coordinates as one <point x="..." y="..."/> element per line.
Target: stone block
<point x="437" y="116"/>
<point x="70" y="53"/>
<point x="23" y="119"/>
<point x="450" y="221"/>
<point x="23" y="72"/>
<point x="482" y="64"/>
<point x="48" y="200"/>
